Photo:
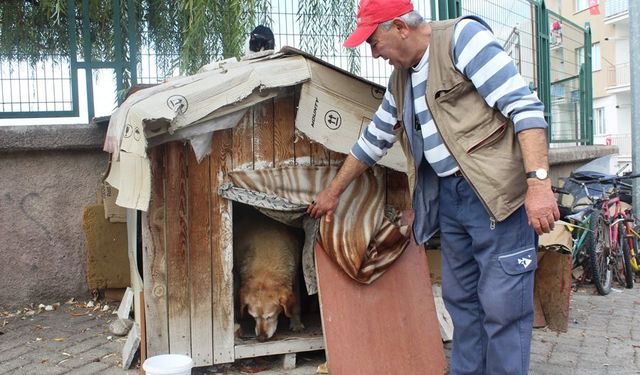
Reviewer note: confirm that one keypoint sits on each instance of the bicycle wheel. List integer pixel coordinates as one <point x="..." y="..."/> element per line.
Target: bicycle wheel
<point x="623" y="259"/>
<point x="598" y="249"/>
<point x="636" y="251"/>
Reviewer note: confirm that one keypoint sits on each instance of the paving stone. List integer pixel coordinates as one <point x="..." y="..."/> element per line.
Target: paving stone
<point x="90" y="368"/>
<point x="10" y="366"/>
<point x="12" y="353"/>
<point x="93" y="355"/>
<point x="40" y="369"/>
<point x="85" y="345"/>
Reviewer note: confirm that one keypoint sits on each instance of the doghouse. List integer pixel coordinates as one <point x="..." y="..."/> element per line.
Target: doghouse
<point x="285" y="110"/>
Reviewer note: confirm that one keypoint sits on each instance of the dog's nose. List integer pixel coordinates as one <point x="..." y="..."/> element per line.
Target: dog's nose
<point x="262" y="338"/>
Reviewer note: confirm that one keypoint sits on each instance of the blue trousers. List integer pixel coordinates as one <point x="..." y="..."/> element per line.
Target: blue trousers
<point x="487" y="283"/>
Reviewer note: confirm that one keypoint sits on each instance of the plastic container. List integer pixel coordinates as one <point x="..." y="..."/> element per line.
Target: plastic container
<point x="168" y="364"/>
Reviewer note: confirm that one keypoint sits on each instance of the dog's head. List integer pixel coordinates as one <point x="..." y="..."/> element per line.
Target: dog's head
<point x="264" y="302"/>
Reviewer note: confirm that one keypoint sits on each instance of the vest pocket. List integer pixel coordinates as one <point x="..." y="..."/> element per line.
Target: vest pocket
<point x="519" y="261"/>
<point x="490" y="139"/>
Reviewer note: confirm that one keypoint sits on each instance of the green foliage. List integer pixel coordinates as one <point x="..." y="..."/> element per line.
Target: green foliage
<point x="324" y="26"/>
<point x="182" y="33"/>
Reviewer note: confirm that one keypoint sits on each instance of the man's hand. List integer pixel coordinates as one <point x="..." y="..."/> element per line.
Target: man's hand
<point x="540" y="204"/>
<point x="325" y="204"/>
<point x="327" y="200"/>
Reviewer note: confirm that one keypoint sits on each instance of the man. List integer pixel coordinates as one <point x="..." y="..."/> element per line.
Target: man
<point x="475" y="140"/>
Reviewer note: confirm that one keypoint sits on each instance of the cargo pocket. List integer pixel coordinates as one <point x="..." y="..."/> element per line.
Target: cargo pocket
<point x="519" y="261"/>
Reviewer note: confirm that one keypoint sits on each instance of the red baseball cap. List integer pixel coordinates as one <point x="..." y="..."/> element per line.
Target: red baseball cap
<point x="371" y="13"/>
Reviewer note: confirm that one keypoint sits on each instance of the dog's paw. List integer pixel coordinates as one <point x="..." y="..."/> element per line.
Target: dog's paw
<point x="296" y="325"/>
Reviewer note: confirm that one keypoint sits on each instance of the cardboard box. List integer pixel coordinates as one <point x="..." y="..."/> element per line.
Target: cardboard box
<point x="334" y="111"/>
<point x="112" y="212"/>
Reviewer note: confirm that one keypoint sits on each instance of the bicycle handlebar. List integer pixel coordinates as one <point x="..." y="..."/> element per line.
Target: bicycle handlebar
<point x="612" y="179"/>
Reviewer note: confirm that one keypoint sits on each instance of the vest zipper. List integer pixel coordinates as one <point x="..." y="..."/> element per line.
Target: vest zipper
<point x="492" y="219"/>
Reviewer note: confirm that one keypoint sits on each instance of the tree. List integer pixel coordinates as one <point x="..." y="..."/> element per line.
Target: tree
<point x="184" y="33"/>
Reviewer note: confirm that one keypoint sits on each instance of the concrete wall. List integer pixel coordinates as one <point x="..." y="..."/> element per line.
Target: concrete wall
<point x="47" y="175"/>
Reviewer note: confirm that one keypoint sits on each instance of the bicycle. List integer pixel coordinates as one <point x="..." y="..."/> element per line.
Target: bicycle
<point x="577" y="219"/>
<point x="609" y="246"/>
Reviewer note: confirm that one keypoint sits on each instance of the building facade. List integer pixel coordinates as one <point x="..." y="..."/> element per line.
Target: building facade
<point x="609" y="21"/>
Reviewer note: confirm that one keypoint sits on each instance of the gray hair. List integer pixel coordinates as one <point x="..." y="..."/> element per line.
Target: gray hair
<point x="413" y="19"/>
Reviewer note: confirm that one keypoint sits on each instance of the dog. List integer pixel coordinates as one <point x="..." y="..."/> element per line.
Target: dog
<point x="266" y="256"/>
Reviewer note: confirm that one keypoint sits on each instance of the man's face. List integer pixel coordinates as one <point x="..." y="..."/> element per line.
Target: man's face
<point x="388" y="45"/>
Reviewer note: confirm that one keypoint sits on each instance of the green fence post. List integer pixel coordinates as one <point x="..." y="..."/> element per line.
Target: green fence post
<point x="133" y="41"/>
<point x="587" y="120"/>
<point x="87" y="58"/>
<point x="543" y="66"/>
<point x="73" y="56"/>
<point x="117" y="45"/>
<point x="448" y="9"/>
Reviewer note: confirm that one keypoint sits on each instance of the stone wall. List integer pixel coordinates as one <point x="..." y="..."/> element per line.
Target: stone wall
<point x="47" y="175"/>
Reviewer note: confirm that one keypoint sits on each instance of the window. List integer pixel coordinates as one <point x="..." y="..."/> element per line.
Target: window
<point x="595" y="57"/>
<point x="599" y="125"/>
<point x="579" y="56"/>
<point x="581" y="5"/>
<point x="596" y="63"/>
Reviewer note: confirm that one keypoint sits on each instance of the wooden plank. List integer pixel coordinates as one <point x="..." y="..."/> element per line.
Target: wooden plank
<point x="199" y="194"/>
<point x="302" y="146"/>
<point x="124" y="310"/>
<point x="263" y="128"/>
<point x="300" y="343"/>
<point x="130" y="346"/>
<point x="398" y="190"/>
<point x="154" y="259"/>
<point x="553" y="288"/>
<point x="132" y="244"/>
<point x="143" y="334"/>
<point x="177" y="250"/>
<point x="284" y="129"/>
<point x="336" y="158"/>
<point x="222" y="251"/>
<point x="395" y="316"/>
<point x="319" y="154"/>
<point x="243" y="143"/>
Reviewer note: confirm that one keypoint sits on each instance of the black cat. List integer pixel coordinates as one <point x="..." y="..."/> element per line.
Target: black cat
<point x="261" y="39"/>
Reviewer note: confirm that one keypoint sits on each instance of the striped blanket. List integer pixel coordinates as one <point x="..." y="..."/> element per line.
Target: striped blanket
<point x="361" y="239"/>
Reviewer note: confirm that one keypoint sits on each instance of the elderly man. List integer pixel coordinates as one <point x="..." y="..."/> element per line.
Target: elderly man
<point x="475" y="141"/>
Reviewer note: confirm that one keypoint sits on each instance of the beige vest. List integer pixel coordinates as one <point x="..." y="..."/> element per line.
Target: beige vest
<point x="480" y="138"/>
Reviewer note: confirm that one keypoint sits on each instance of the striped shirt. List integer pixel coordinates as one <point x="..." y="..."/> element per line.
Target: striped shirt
<point x="479" y="56"/>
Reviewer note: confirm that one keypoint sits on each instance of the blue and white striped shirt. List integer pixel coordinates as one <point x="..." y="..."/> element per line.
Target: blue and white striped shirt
<point x="479" y="56"/>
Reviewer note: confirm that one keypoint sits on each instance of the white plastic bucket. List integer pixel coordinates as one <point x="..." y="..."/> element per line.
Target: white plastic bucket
<point x="168" y="364"/>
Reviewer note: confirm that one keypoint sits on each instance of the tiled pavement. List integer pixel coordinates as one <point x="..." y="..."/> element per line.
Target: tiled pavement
<point x="603" y="338"/>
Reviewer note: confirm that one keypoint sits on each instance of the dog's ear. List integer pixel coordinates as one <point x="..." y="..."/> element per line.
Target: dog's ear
<point x="287" y="300"/>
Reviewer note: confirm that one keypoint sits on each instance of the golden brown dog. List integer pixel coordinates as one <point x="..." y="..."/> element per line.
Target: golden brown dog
<point x="266" y="255"/>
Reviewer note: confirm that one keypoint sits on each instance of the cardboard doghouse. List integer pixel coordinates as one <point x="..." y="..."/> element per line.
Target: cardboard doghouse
<point x="277" y="112"/>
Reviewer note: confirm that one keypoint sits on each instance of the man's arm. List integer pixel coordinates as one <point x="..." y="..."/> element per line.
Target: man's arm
<point x="327" y="200"/>
<point x="540" y="203"/>
<point x="480" y="57"/>
<point x="373" y="144"/>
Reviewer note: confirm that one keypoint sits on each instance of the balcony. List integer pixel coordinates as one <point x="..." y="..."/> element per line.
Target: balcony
<point x="616" y="11"/>
<point x="618" y="78"/>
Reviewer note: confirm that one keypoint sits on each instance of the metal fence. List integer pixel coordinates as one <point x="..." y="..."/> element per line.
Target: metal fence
<point x="548" y="50"/>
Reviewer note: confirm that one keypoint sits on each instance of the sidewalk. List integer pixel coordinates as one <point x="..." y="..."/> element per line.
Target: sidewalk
<point x="603" y="338"/>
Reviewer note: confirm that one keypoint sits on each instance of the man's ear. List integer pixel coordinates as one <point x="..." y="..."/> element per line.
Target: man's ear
<point x="287" y="300"/>
<point x="401" y="26"/>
